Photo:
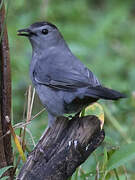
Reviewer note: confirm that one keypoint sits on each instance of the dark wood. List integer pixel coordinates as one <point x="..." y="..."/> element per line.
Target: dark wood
<point x="62" y="148"/>
<point x="6" y="156"/>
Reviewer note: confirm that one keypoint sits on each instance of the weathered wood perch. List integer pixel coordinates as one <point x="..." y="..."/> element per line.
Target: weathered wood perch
<point x="62" y="148"/>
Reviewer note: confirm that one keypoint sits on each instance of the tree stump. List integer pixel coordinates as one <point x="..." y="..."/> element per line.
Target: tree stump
<point x="62" y="148"/>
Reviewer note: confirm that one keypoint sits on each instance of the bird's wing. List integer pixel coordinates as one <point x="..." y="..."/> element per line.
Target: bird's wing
<point x="63" y="77"/>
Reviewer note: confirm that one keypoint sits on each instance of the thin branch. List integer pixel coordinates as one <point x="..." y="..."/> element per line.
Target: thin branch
<point x="5" y="92"/>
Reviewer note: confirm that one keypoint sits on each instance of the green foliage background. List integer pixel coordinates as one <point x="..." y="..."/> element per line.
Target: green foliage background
<point x="102" y="34"/>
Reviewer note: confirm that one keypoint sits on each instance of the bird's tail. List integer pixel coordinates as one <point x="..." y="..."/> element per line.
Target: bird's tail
<point x="104" y="93"/>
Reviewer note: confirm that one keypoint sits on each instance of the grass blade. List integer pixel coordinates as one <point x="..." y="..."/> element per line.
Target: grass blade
<point x="3" y="170"/>
<point x="121" y="156"/>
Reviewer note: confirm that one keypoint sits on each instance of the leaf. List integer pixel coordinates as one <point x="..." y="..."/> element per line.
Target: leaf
<point x="3" y="170"/>
<point x="121" y="156"/>
<point x="97" y="110"/>
<point x="19" y="147"/>
<point x="105" y="159"/>
<point x="109" y="140"/>
<point x="76" y="174"/>
<point x="116" y="174"/>
<point x="5" y="178"/>
<point x="82" y="112"/>
<point x="16" y="140"/>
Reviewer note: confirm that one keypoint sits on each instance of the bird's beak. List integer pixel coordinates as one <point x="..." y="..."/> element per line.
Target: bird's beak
<point x="25" y="32"/>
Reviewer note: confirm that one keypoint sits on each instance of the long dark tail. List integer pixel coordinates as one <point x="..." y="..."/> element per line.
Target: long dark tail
<point x="104" y="93"/>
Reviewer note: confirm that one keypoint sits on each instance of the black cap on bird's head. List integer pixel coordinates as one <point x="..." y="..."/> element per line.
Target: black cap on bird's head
<point x="38" y="25"/>
<point x="41" y="34"/>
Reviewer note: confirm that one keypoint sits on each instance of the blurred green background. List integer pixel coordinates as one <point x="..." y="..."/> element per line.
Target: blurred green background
<point x="101" y="34"/>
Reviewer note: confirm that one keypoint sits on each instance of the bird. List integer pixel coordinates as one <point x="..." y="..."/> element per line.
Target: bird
<point x="63" y="83"/>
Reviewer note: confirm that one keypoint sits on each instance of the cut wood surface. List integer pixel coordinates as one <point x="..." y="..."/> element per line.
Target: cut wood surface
<point x="62" y="148"/>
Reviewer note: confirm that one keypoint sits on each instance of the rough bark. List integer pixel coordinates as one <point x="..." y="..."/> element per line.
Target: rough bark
<point x="6" y="156"/>
<point x="62" y="148"/>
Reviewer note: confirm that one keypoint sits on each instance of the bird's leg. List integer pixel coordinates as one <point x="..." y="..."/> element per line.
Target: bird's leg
<point x="51" y="119"/>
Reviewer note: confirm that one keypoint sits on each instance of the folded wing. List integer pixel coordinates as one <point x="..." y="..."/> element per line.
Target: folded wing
<point x="67" y="78"/>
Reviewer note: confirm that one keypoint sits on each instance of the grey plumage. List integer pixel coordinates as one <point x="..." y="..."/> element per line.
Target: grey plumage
<point x="63" y="83"/>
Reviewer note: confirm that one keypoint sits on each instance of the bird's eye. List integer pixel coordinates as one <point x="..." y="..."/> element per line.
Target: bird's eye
<point x="45" y="31"/>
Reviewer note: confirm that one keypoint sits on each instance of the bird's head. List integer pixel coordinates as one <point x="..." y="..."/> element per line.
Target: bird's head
<point x="41" y="35"/>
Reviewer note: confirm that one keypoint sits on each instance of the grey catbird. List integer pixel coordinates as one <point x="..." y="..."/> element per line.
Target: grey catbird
<point x="63" y="83"/>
